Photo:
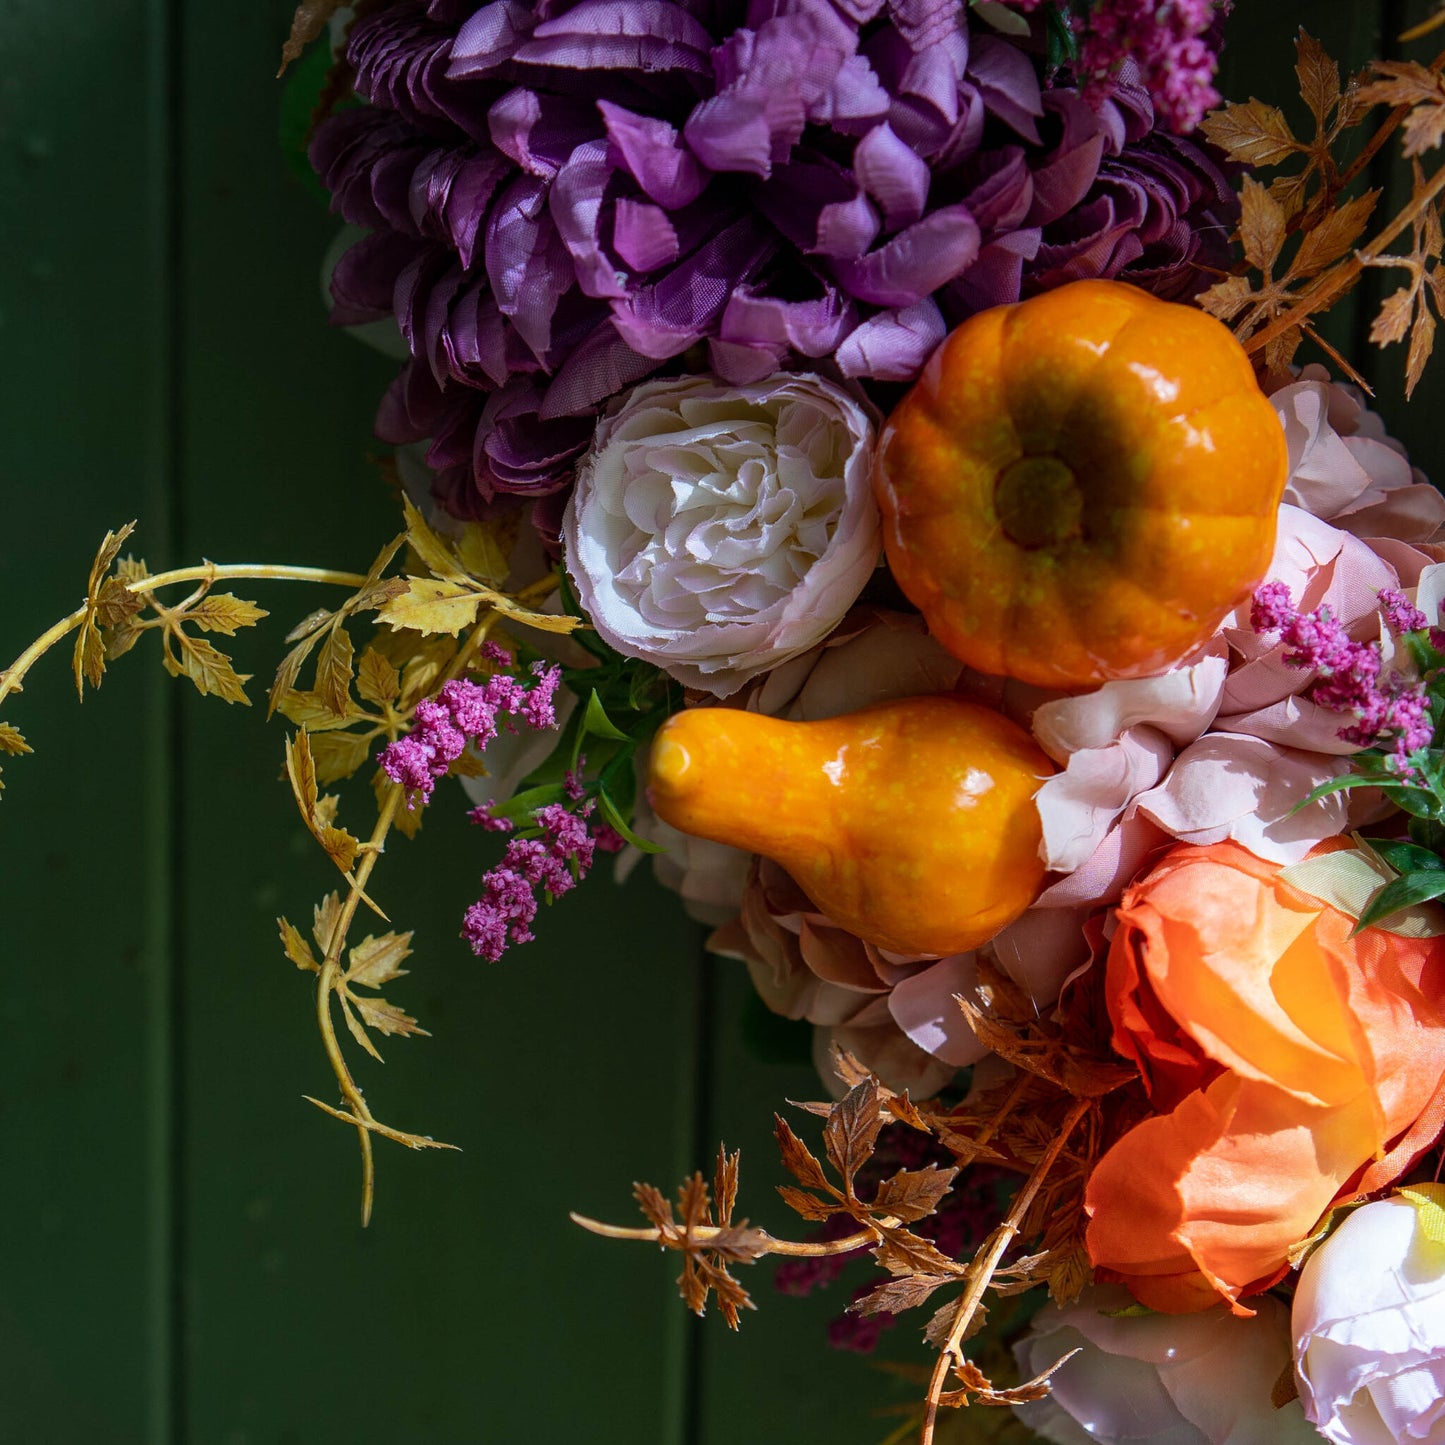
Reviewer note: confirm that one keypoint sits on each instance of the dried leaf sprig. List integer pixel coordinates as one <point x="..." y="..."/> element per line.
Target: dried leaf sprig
<point x="916" y="1267"/>
<point x="433" y="629"/>
<point x="1300" y="235"/>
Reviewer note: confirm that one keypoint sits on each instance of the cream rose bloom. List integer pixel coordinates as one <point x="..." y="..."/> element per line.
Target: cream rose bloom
<point x="716" y="531"/>
<point x="1369" y="1329"/>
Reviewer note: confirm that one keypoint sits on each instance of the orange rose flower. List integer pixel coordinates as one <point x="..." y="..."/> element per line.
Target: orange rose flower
<point x="1293" y="1067"/>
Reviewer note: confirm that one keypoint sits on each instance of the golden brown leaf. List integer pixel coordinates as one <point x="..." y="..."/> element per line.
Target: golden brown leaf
<point x="354" y="1024"/>
<point x="914" y="1194"/>
<point x="1227" y="298"/>
<point x="306" y="24"/>
<point x="1252" y="132"/>
<point x="725" y="1183"/>
<point x="485" y="548"/>
<point x="377" y="680"/>
<point x="309" y="625"/>
<point x="1422" y="343"/>
<point x="384" y="1017"/>
<point x="1262" y="226"/>
<point x="208" y="668"/>
<point x="808" y="1205"/>
<point x="11" y="740"/>
<point x="430" y="606"/>
<point x="337" y="755"/>
<point x="375" y="961"/>
<point x="1424" y="128"/>
<point x="1319" y="76"/>
<point x="333" y="671"/>
<point x="324" y="918"/>
<point x="852" y="1129"/>
<point x="296" y="947"/>
<point x="1335" y="234"/>
<point x="1393" y="322"/>
<point x="221" y="612"/>
<point x="436" y="556"/>
<point x="307" y="710"/>
<point x="798" y="1159"/>
<point x="902" y="1252"/>
<point x="117" y="603"/>
<point x="894" y="1296"/>
<point x="109" y="550"/>
<point x="340" y="846"/>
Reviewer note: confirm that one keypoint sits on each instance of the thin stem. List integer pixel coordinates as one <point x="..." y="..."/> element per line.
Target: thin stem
<point x="701" y="1233"/>
<point x="326" y="984"/>
<point x="208" y="572"/>
<point x="986" y="1261"/>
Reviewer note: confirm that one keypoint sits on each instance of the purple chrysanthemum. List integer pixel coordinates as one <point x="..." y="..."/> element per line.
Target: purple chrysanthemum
<point x="565" y="198"/>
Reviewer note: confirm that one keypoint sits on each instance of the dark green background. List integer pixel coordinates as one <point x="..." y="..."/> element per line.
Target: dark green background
<point x="180" y="1259"/>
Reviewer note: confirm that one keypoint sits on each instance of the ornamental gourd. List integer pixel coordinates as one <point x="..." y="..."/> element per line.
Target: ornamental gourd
<point x="1080" y="487"/>
<point x="910" y="823"/>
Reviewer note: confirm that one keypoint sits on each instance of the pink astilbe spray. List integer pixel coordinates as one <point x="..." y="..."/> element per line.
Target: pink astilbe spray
<point x="1388" y="708"/>
<point x="465" y="711"/>
<point x="556" y="861"/>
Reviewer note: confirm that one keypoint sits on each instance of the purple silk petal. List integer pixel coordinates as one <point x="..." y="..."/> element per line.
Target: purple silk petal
<point x="649" y="150"/>
<point x="893" y="345"/>
<point x="739" y="364"/>
<point x="645" y="35"/>
<point x="642" y="235"/>
<point x="363" y="282"/>
<point x="892" y="173"/>
<point x="995" y="278"/>
<point x="1003" y="189"/>
<point x="926" y="24"/>
<point x="599" y="367"/>
<point x="915" y="262"/>
<point x="811" y="328"/>
<point x="1063" y="181"/>
<point x="664" y="319"/>
<point x="854" y="102"/>
<point x="411" y="408"/>
<point x="818" y="206"/>
<point x="576" y="203"/>
<point x="466" y="204"/>
<point x="731" y="133"/>
<point x="539" y="132"/>
<point x="1006" y="78"/>
<point x="490" y="38"/>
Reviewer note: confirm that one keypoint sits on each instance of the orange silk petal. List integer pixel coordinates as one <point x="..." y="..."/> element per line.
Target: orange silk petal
<point x="1311" y="1052"/>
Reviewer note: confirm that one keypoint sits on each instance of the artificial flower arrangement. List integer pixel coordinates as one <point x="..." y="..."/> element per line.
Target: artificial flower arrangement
<point x="844" y="458"/>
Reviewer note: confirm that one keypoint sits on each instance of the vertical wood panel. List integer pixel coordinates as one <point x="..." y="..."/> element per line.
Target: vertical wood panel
<point x="84" y="1046"/>
<point x="472" y="1310"/>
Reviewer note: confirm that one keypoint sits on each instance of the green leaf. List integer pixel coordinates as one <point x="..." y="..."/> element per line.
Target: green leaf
<point x="300" y="96"/>
<point x="1428" y="833"/>
<point x="1407" y="857"/>
<point x="615" y="820"/>
<point x="596" y="723"/>
<point x="520" y="806"/>
<point x="1404" y="892"/>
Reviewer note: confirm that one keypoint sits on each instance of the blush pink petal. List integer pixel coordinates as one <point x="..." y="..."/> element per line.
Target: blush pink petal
<point x="1293" y="722"/>
<point x="1232" y="786"/>
<point x="1180" y="704"/>
<point x="1041" y="948"/>
<point x="925" y="1008"/>
<point x="1079" y="805"/>
<point x="1110" y="869"/>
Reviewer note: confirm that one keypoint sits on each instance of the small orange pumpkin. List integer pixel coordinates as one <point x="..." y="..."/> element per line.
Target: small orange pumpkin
<point x="1081" y="486"/>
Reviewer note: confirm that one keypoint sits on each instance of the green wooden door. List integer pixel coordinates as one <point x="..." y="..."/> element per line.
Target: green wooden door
<point x="181" y="1260"/>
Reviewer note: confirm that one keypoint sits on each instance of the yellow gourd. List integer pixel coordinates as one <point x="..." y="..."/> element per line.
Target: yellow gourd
<point x="910" y="823"/>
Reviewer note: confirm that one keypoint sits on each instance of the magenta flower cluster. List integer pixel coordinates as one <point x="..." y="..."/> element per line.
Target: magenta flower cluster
<point x="1351" y="678"/>
<point x="462" y="712"/>
<point x="556" y="862"/>
<point x="1169" y="43"/>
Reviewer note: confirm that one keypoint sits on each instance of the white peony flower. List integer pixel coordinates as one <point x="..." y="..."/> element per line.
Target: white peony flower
<point x="717" y="531"/>
<point x="1369" y="1329"/>
<point x="1197" y="1379"/>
